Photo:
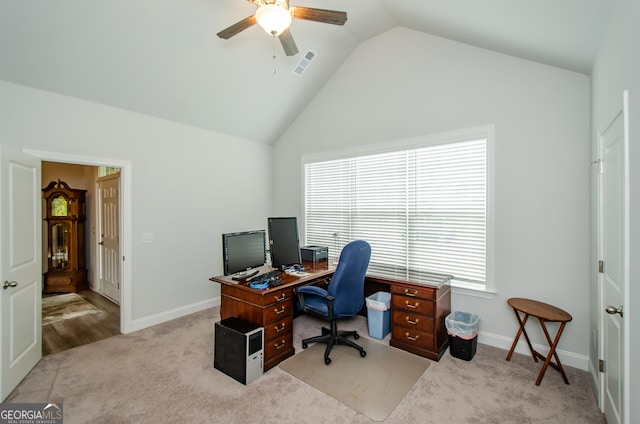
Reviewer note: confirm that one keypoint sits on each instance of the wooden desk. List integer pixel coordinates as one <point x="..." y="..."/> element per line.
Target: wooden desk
<point x="544" y="313"/>
<point x="272" y="308"/>
<point x="418" y="310"/>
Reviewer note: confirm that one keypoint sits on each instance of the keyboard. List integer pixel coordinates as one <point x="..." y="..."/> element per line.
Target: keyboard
<point x="266" y="276"/>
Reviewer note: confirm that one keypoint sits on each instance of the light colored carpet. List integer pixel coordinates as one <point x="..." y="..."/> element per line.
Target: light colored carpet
<point x="65" y="306"/>
<point x="165" y="374"/>
<point x="372" y="385"/>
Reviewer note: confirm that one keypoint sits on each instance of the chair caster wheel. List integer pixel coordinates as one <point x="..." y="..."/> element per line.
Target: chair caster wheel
<point x="356" y="336"/>
<point x="305" y="345"/>
<point x="363" y="353"/>
<point x="327" y="361"/>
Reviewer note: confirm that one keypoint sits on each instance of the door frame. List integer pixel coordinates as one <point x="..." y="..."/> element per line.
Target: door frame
<point x="126" y="306"/>
<point x="626" y="396"/>
<point x="626" y="272"/>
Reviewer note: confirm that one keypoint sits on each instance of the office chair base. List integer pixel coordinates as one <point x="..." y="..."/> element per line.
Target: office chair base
<point x="332" y="338"/>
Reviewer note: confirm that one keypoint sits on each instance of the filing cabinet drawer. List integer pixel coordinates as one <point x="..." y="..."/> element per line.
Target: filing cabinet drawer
<point x="413" y="305"/>
<point x="418" y="340"/>
<point x="413" y="322"/>
<point x="414" y="292"/>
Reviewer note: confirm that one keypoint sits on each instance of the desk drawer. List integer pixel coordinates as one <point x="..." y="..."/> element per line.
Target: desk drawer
<point x="413" y="322"/>
<point x="278" y="311"/>
<point x="278" y="297"/>
<point x="413" y="305"/>
<point x="278" y="328"/>
<point x="416" y="339"/>
<point x="278" y="346"/>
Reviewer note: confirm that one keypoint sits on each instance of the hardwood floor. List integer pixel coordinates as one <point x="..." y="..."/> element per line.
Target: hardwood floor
<point x="75" y="332"/>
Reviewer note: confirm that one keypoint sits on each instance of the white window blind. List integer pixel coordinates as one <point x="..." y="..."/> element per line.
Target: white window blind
<point x="421" y="209"/>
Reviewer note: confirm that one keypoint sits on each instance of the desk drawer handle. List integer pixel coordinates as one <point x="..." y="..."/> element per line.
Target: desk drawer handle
<point x="279" y="329"/>
<point x="279" y="311"/>
<point x="415" y="293"/>
<point x="281" y="298"/>
<point x="406" y="302"/>
<point x="413" y="339"/>
<point x="281" y="345"/>
<point x="412" y="322"/>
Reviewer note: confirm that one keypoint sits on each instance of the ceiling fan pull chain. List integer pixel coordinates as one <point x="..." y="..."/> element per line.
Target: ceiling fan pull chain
<point x="273" y="50"/>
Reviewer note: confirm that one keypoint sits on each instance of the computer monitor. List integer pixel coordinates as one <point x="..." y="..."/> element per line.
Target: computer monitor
<point x="284" y="244"/>
<point x="242" y="251"/>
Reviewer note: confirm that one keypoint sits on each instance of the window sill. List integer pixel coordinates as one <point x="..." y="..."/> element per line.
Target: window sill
<point x="474" y="290"/>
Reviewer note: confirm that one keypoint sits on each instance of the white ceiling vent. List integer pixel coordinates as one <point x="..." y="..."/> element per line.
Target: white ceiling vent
<point x="304" y="62"/>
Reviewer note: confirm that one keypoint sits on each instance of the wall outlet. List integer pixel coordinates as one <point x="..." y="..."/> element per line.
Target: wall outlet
<point x="147" y="238"/>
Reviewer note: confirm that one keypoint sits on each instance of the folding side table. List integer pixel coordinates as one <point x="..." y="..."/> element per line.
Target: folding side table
<point x="544" y="313"/>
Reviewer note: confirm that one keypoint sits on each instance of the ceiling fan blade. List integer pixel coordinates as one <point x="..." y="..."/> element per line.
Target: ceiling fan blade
<point x="320" y="15"/>
<point x="289" y="46"/>
<point x="237" y="27"/>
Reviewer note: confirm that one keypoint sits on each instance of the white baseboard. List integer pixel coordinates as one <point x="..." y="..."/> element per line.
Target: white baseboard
<point x="140" y="323"/>
<point x="567" y="358"/>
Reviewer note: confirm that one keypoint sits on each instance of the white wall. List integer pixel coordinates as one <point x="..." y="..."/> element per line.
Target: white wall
<point x="404" y="84"/>
<point x="189" y="186"/>
<point x="617" y="68"/>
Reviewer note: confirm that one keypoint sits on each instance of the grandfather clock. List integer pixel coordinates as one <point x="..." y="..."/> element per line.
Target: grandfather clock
<point x="66" y="256"/>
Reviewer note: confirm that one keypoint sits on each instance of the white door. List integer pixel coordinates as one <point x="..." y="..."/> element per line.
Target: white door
<point x="109" y="234"/>
<point x="20" y="266"/>
<point x="612" y="275"/>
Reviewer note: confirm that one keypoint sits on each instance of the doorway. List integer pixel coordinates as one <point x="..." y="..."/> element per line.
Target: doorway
<point x="91" y="312"/>
<point x="126" y="324"/>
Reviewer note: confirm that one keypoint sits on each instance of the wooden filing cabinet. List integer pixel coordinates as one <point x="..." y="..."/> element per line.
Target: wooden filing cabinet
<point x="417" y="319"/>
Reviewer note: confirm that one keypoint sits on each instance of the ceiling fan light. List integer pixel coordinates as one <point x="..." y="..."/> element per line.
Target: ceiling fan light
<point x="274" y="19"/>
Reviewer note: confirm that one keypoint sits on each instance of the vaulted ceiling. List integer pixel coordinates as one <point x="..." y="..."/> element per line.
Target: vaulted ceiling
<point x="163" y="58"/>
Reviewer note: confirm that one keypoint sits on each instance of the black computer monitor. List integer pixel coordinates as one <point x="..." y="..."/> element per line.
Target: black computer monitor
<point x="242" y="251"/>
<point x="284" y="244"/>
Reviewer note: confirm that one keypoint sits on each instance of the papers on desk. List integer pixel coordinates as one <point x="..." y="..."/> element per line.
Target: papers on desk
<point x="297" y="273"/>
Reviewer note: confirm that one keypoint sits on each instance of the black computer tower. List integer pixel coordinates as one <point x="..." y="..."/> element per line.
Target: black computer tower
<point x="238" y="350"/>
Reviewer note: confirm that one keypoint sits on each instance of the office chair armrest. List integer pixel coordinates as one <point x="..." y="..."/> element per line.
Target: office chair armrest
<point x="313" y="290"/>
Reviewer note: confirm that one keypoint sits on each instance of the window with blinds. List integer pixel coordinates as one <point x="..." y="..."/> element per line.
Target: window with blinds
<point x="422" y="209"/>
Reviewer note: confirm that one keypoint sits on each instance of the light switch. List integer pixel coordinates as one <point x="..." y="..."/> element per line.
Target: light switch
<point x="147" y="238"/>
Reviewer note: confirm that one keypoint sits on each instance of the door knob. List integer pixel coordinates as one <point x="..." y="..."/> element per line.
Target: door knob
<point x="611" y="310"/>
<point x="7" y="284"/>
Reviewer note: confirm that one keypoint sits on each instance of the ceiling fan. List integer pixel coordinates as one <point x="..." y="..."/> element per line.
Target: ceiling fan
<point x="275" y="17"/>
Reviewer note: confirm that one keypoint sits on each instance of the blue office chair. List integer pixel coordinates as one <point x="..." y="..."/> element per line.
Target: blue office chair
<point x="344" y="297"/>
